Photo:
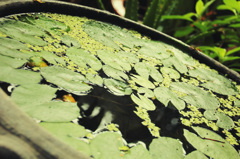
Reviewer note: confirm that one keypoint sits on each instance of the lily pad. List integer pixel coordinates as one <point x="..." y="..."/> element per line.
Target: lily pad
<point x="210" y="144"/>
<point x="66" y="79"/>
<point x="13" y="53"/>
<point x="130" y="57"/>
<point x="12" y="62"/>
<point x="70" y="41"/>
<point x="117" y="87"/>
<point x="138" y="152"/>
<point x="113" y="60"/>
<point x="146" y="70"/>
<point x="106" y="145"/>
<point x="95" y="79"/>
<point x="171" y="72"/>
<point x="196" y="155"/>
<point x="52" y="58"/>
<point x="144" y="102"/>
<point x="115" y="73"/>
<point x="142" y="81"/>
<point x="19" y="76"/>
<point x="176" y="63"/>
<point x="12" y="43"/>
<point x="147" y="92"/>
<point x="195" y="95"/>
<point x="82" y="58"/>
<point x="165" y="95"/>
<point x="215" y="82"/>
<point x="166" y="148"/>
<point x="70" y="134"/>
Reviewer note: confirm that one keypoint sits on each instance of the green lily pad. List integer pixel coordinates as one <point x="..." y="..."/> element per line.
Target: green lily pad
<point x="13" y="53"/>
<point x="215" y="82"/>
<point x="12" y="43"/>
<point x="142" y="81"/>
<point x="171" y="72"/>
<point x="237" y="103"/>
<point x="66" y="79"/>
<point x="166" y="148"/>
<point x="147" y="92"/>
<point x="195" y="95"/>
<point x="130" y="57"/>
<point x="18" y="76"/>
<point x="196" y="155"/>
<point x="52" y="58"/>
<point x="117" y="87"/>
<point x="176" y="63"/>
<point x="144" y="102"/>
<point x="29" y="95"/>
<point x="70" y="134"/>
<point x="113" y="60"/>
<point x="12" y="62"/>
<point x="211" y="144"/>
<point x="95" y="79"/>
<point x="165" y="95"/>
<point x="138" y="152"/>
<point x="115" y="73"/>
<point x="146" y="70"/>
<point x="106" y="145"/>
<point x="82" y="58"/>
<point x="70" y="41"/>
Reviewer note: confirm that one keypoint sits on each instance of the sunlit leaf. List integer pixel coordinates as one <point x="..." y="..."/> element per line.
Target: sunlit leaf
<point x="130" y="57"/>
<point x="12" y="62"/>
<point x="195" y="95"/>
<point x="210" y="144"/>
<point x="196" y="155"/>
<point x="142" y="81"/>
<point x="117" y="87"/>
<point x="215" y="82"/>
<point x="144" y="102"/>
<point x="114" y="73"/>
<point x="106" y="145"/>
<point x="52" y="58"/>
<point x="70" y="41"/>
<point x="174" y="61"/>
<point x="166" y="148"/>
<point x="138" y="152"/>
<point x="146" y="70"/>
<point x="70" y="134"/>
<point x="66" y="79"/>
<point x="147" y="92"/>
<point x="96" y="79"/>
<point x="12" y="43"/>
<point x="165" y="95"/>
<point x="171" y="72"/>
<point x="13" y="53"/>
<point x="82" y="58"/>
<point x="199" y="7"/>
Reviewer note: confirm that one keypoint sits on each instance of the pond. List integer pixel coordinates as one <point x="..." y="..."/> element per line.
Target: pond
<point x="111" y="92"/>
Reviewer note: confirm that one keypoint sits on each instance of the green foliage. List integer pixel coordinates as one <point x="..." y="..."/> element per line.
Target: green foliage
<point x="83" y="54"/>
<point x="132" y="10"/>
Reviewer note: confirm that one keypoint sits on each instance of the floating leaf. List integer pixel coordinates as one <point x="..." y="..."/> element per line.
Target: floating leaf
<point x="142" y="81"/>
<point x="70" y="134"/>
<point x="174" y="61"/>
<point x="147" y="92"/>
<point x="196" y="96"/>
<point x="144" y="102"/>
<point x="165" y="95"/>
<point x="171" y="72"/>
<point x="12" y="43"/>
<point x="117" y="87"/>
<point x="82" y="58"/>
<point x="29" y="95"/>
<point x="12" y="62"/>
<point x="215" y="82"/>
<point x="96" y="79"/>
<point x="166" y="148"/>
<point x="114" y="73"/>
<point x="130" y="57"/>
<point x="70" y="41"/>
<point x="196" y="155"/>
<point x="108" y="34"/>
<point x="210" y="144"/>
<point x="146" y="70"/>
<point x="13" y="53"/>
<point x="52" y="58"/>
<point x="138" y="152"/>
<point x="106" y="145"/>
<point x="113" y="60"/>
<point x="154" y="49"/>
<point x="69" y="80"/>
<point x="18" y="76"/>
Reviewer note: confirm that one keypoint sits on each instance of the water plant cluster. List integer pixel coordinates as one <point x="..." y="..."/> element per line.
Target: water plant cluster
<point x="50" y="61"/>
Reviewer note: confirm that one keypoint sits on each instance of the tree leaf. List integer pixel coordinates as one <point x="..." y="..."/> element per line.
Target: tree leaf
<point x="195" y="95"/>
<point x="166" y="148"/>
<point x="144" y="102"/>
<point x="117" y="87"/>
<point x="106" y="145"/>
<point x="165" y="95"/>
<point x="216" y="147"/>
<point x="66" y="79"/>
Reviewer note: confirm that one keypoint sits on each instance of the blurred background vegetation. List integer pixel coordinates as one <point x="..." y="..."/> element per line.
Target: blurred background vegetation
<point x="211" y="26"/>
